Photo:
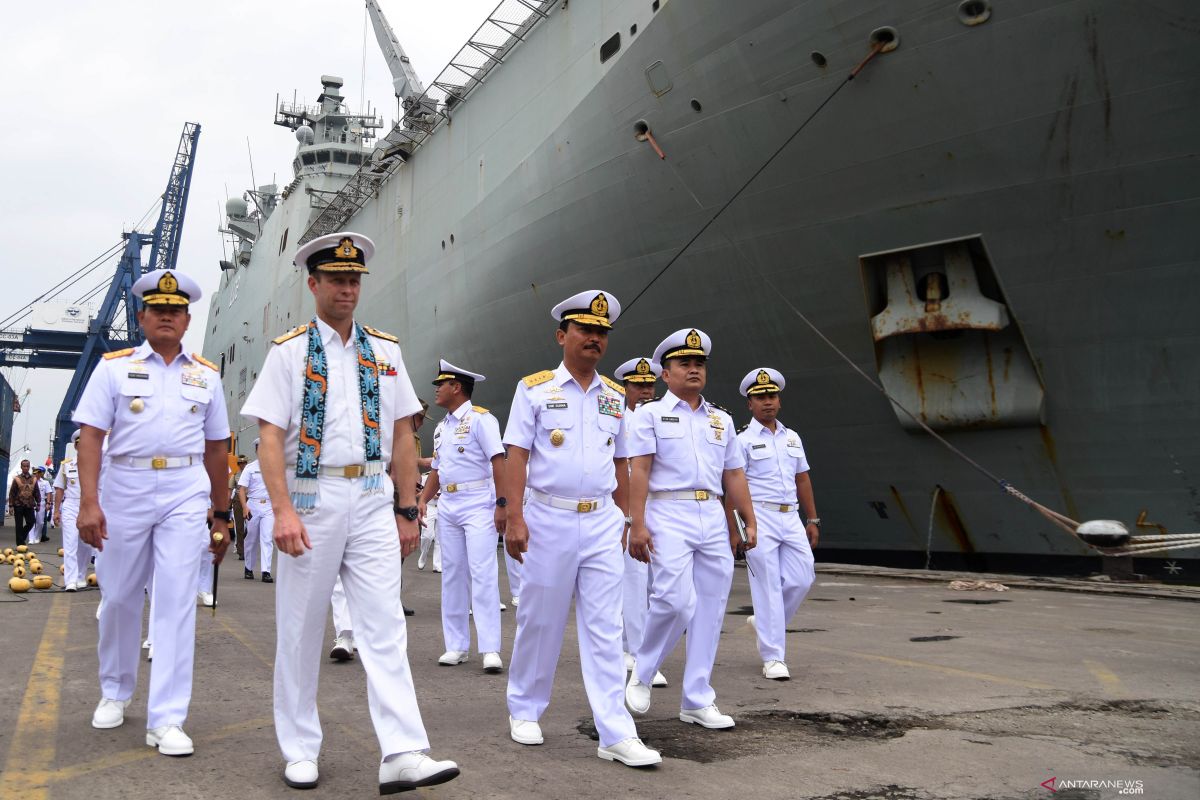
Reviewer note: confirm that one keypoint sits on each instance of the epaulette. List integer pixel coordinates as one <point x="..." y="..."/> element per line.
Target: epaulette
<point x="610" y="383"/>
<point x="537" y="378"/>
<point x="206" y="362"/>
<point x="292" y="334"/>
<point x="743" y="428"/>
<point x="720" y="408"/>
<point x="380" y="334"/>
<point x="119" y="353"/>
<point x="479" y="409"/>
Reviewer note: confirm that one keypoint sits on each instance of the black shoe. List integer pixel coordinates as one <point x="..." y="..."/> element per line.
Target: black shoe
<point x="266" y="578"/>
<point x="248" y="574"/>
<point x="241" y="557"/>
<point x="408" y="612"/>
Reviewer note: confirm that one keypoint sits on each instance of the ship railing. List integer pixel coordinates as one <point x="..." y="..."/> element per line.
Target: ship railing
<point x="504" y="29"/>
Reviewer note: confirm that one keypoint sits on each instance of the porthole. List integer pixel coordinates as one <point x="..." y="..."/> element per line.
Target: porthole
<point x="610" y="48"/>
<point x="654" y="6"/>
<point x="633" y="30"/>
<point x="887" y="36"/>
<point x="443" y="244"/>
<point x="818" y="58"/>
<point x="452" y="238"/>
<point x="696" y="105"/>
<point x="974" y="12"/>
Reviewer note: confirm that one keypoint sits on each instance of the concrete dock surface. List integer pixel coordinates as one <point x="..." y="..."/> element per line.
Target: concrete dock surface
<point x="901" y="688"/>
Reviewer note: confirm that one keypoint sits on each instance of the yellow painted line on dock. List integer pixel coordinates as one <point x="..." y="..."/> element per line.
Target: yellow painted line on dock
<point x="237" y="631"/>
<point x="30" y="758"/>
<point x="1108" y="679"/>
<point x="944" y="670"/>
<point x="126" y="757"/>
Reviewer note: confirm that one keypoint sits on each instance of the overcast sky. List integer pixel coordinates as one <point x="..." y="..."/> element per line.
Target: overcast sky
<point x="97" y="95"/>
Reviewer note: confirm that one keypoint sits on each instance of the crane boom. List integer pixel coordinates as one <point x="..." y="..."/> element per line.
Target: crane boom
<point x="407" y="85"/>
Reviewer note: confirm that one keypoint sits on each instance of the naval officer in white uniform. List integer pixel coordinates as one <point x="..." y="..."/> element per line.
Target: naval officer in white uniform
<point x="76" y="554"/>
<point x="564" y="439"/>
<point x="260" y="521"/>
<point x="468" y="469"/>
<point x="166" y="462"/>
<point x="333" y="403"/>
<point x="685" y="457"/>
<point x="778" y="473"/>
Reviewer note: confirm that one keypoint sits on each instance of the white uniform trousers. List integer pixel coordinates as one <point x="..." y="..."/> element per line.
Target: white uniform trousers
<point x="204" y="578"/>
<point x="512" y="568"/>
<point x="76" y="552"/>
<point x="571" y="554"/>
<point x="156" y="525"/>
<point x="470" y="582"/>
<point x="783" y="573"/>
<point x="343" y="625"/>
<point x="353" y="536"/>
<point x="635" y="602"/>
<point x="693" y="570"/>
<point x="260" y="537"/>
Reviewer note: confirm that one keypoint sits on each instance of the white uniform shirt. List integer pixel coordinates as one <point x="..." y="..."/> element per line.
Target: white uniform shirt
<point x="691" y="448"/>
<point x="67" y="479"/>
<point x="278" y="392"/>
<point x="464" y="444"/>
<point x="182" y="404"/>
<point x="44" y="490"/>
<point x="772" y="462"/>
<point x="252" y="479"/>
<point x="591" y="421"/>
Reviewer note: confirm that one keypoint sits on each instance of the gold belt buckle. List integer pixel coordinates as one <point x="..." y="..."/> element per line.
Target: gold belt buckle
<point x="585" y="506"/>
<point x="451" y="488"/>
<point x="784" y="508"/>
<point x="701" y="494"/>
<point x="158" y="462"/>
<point x="353" y="471"/>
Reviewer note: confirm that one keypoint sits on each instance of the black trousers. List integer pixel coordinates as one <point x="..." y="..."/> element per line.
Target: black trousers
<point x="23" y="519"/>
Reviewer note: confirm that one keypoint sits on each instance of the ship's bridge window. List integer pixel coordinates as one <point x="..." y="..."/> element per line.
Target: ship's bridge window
<point x="339" y="156"/>
<point x="322" y="156"/>
<point x="610" y="48"/>
<point x="356" y="158"/>
<point x="308" y="158"/>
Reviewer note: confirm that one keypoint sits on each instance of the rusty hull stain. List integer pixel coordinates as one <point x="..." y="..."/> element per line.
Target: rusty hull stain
<point x="1052" y="457"/>
<point x="953" y="521"/>
<point x="907" y="516"/>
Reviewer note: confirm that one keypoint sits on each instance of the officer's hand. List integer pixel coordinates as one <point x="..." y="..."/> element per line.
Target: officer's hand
<point x="218" y="548"/>
<point x="57" y="519"/>
<point x="516" y="539"/>
<point x="410" y="535"/>
<point x="641" y="545"/>
<point x="290" y="535"/>
<point x="422" y="507"/>
<point x="814" y="534"/>
<point x="751" y="537"/>
<point x="92" y="526"/>
<point x="501" y="518"/>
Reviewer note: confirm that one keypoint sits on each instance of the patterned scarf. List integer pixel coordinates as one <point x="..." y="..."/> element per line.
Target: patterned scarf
<point x="312" y="423"/>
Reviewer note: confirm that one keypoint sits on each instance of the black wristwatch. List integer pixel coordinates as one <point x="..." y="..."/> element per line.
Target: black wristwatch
<point x="501" y="502"/>
<point x="223" y="515"/>
<point x="410" y="513"/>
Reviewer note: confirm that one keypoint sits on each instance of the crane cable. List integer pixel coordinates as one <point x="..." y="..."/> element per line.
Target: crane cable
<point x="64" y="284"/>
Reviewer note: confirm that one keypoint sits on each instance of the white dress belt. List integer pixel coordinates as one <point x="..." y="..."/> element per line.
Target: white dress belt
<point x="351" y="471"/>
<point x="466" y="486"/>
<point x="686" y="494"/>
<point x="157" y="462"/>
<point x="782" y="508"/>
<point x="569" y="503"/>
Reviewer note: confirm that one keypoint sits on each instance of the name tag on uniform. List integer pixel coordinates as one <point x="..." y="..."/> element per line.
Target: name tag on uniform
<point x="669" y="419"/>
<point x="757" y="446"/>
<point x="610" y="405"/>
<point x="141" y="376"/>
<point x="551" y="406"/>
<point x="195" y="380"/>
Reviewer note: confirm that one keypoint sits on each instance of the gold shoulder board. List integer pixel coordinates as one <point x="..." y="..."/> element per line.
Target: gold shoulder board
<point x="380" y="334"/>
<point x="610" y="383"/>
<point x="206" y="362"/>
<point x="536" y="378"/>
<point x="119" y="353"/>
<point x="480" y="409"/>
<point x="292" y="334"/>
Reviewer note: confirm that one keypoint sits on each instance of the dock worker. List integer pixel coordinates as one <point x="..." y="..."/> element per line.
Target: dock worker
<point x="333" y="403"/>
<point x="564" y="439"/>
<point x="685" y="457"/>
<point x="76" y="554"/>
<point x="165" y="464"/>
<point x="780" y="487"/>
<point x="638" y="376"/>
<point x="468" y="469"/>
<point x="260" y="521"/>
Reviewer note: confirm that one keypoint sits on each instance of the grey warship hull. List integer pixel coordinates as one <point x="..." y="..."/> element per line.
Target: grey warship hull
<point x="992" y="220"/>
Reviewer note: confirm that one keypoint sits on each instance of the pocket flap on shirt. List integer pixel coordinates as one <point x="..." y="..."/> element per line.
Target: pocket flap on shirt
<point x="133" y="387"/>
<point x="197" y="394"/>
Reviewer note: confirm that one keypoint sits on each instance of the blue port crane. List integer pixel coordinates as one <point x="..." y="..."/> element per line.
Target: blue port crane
<point x="115" y="326"/>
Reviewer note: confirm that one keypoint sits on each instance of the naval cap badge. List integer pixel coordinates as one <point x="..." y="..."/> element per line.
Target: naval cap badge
<point x="346" y="248"/>
<point x="643" y="367"/>
<point x="693" y="339"/>
<point x="600" y="305"/>
<point x="763" y="377"/>
<point x="167" y="283"/>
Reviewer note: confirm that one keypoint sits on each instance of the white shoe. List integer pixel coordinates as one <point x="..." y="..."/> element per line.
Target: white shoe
<point x="109" y="714"/>
<point x="492" y="663"/>
<point x="516" y="601"/>
<point x="708" y="717"/>
<point x="99" y="606"/>
<point x="776" y="671"/>
<point x="343" y="648"/>
<point x="150" y="653"/>
<point x="630" y="662"/>
<point x="206" y="599"/>
<point x="146" y="645"/>
<point x="750" y="620"/>
<point x="412" y="771"/>
<point x="170" y="741"/>
<point x="421" y="561"/>
<point x="452" y="657"/>
<point x="80" y="584"/>
<point x="525" y="731"/>
<point x="637" y="695"/>
<point x="660" y="680"/>
<point x="300" y="774"/>
<point x="437" y="569"/>
<point x="70" y="587"/>
<point x="503" y="607"/>
<point x="631" y="753"/>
